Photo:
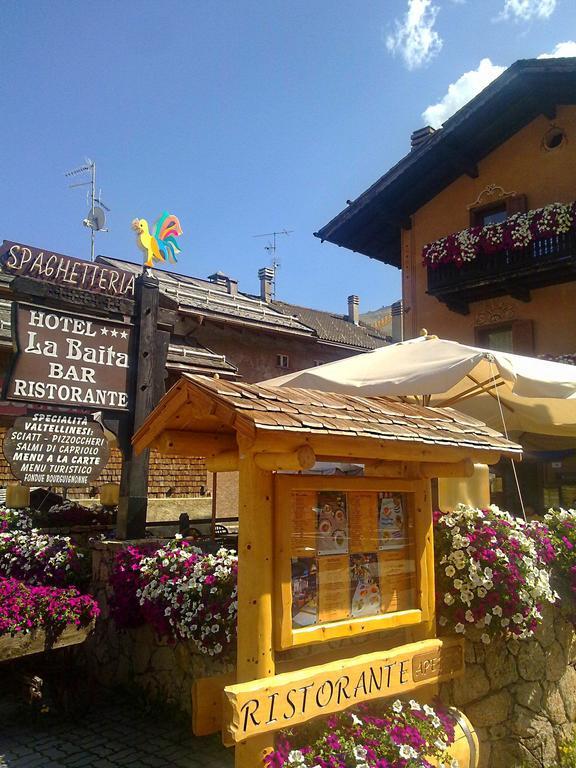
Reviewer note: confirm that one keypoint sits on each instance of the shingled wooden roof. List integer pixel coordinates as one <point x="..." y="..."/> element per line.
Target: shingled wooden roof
<point x="200" y="404"/>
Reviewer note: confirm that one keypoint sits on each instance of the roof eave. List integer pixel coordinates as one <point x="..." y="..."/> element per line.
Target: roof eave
<point x="348" y="228"/>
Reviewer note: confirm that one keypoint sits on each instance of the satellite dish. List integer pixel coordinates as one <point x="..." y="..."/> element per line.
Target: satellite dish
<point x="99" y="218"/>
<point x="96" y="220"/>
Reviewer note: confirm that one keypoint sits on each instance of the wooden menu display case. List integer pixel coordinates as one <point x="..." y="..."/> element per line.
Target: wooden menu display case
<point x="323" y="559"/>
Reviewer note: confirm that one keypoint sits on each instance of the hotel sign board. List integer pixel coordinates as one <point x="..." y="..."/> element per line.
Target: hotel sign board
<point x="26" y="261"/>
<point x="56" y="449"/>
<point x="293" y="698"/>
<point x="69" y="360"/>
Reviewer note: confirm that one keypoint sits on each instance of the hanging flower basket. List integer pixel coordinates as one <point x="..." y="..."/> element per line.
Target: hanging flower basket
<point x="38" y="641"/>
<point x="513" y="234"/>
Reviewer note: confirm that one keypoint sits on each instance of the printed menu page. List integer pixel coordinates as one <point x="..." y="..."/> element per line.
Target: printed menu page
<point x="333" y="588"/>
<point x="303" y="540"/>
<point x="397" y="580"/>
<point x="391" y="522"/>
<point x="364" y="585"/>
<point x="304" y="591"/>
<point x="363" y="522"/>
<point x="332" y="518"/>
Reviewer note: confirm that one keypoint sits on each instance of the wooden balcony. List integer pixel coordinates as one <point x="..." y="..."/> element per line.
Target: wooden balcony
<point x="548" y="261"/>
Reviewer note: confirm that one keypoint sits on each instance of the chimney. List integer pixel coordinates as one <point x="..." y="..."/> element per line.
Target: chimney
<point x="421" y="136"/>
<point x="266" y="277"/>
<point x="397" y="312"/>
<point x="353" y="310"/>
<point x="219" y="278"/>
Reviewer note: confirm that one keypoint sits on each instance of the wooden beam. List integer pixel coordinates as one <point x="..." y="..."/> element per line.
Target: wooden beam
<point x="182" y="443"/>
<point x="391" y="469"/>
<point x="302" y="458"/>
<point x="227" y="461"/>
<point x="207" y="698"/>
<point x="461" y="162"/>
<point x="416" y="470"/>
<point x="359" y="449"/>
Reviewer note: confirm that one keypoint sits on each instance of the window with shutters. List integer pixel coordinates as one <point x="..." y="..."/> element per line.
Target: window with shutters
<point x="496" y="212"/>
<point x="516" y="336"/>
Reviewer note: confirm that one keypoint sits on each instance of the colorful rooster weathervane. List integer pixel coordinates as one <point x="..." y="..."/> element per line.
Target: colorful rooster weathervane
<point x="162" y="245"/>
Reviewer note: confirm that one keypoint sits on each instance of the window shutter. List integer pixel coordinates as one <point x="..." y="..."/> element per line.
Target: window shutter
<point x="516" y="204"/>
<point x="523" y="337"/>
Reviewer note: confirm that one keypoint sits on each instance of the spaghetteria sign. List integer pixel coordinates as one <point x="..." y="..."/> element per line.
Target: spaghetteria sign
<point x="70" y="360"/>
<point x="26" y="261"/>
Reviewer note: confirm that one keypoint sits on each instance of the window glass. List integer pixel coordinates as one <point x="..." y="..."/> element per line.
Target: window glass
<point x="499" y="339"/>
<point x="351" y="555"/>
<point x="493" y="217"/>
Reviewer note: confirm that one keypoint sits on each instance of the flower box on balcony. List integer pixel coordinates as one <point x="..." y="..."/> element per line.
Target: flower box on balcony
<point x="24" y="644"/>
<point x="528" y="250"/>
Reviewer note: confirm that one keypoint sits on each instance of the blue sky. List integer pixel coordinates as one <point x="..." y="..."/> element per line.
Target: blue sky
<point x="241" y="117"/>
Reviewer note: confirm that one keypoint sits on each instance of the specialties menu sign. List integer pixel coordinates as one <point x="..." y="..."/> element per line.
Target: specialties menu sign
<point x="56" y="449"/>
<point x="352" y="555"/>
<point x="65" y="359"/>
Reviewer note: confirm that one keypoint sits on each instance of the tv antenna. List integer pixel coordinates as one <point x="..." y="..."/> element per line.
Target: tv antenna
<point x="95" y="221"/>
<point x="271" y="249"/>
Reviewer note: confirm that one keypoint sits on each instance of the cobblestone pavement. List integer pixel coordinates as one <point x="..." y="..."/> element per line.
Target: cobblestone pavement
<point x="114" y="733"/>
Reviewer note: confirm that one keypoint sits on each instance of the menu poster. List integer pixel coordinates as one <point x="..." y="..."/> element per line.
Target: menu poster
<point x="397" y="580"/>
<point x="332" y="532"/>
<point x="364" y="585"/>
<point x="333" y="588"/>
<point x="304" y="591"/>
<point x="391" y="522"/>
<point x="363" y="522"/>
<point x="303" y="539"/>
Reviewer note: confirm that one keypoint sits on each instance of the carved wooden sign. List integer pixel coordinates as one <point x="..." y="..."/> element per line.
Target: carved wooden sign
<point x="24" y="260"/>
<point x="56" y="449"/>
<point x="294" y="697"/>
<point x="70" y="360"/>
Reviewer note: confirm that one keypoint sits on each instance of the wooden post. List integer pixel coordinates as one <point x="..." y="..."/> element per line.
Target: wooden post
<point x="143" y="394"/>
<point x="255" y="585"/>
<point x="474" y="490"/>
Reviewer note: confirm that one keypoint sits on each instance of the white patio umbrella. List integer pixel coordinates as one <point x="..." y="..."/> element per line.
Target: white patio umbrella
<point x="511" y="393"/>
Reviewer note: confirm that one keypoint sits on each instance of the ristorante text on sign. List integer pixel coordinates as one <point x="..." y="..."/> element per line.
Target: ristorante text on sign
<point x="288" y="699"/>
<point x="56" y="449"/>
<point x="43" y="265"/>
<point x="70" y="360"/>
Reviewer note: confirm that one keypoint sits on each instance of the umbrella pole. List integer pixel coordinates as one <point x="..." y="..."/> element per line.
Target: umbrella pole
<point x="507" y="438"/>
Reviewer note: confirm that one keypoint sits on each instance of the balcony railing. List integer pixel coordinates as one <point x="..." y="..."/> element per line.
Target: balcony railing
<point x="547" y="261"/>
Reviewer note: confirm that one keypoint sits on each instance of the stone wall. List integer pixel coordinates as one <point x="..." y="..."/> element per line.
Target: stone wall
<point x="520" y="695"/>
<point x="136" y="657"/>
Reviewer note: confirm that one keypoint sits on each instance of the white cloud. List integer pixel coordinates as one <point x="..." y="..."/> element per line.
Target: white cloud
<point x="561" y="50"/>
<point x="461" y="91"/>
<point x="470" y="83"/>
<point x="415" y="38"/>
<point x="524" y="10"/>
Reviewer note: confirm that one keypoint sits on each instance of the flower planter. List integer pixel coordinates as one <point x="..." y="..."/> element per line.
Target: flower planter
<point x="25" y="644"/>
